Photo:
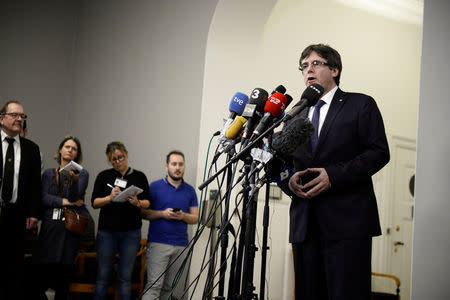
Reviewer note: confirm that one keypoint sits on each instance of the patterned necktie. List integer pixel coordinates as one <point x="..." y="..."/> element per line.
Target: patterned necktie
<point x="8" y="175"/>
<point x="315" y="122"/>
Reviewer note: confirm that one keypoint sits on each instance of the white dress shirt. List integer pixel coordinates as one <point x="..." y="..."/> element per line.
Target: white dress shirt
<point x="327" y="98"/>
<point x="16" y="163"/>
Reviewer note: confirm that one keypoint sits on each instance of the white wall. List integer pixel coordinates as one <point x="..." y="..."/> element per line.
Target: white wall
<point x="431" y="248"/>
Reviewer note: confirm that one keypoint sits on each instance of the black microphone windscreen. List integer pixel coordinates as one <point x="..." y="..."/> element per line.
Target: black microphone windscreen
<point x="279" y="89"/>
<point x="294" y="134"/>
<point x="288" y="99"/>
<point x="312" y="93"/>
<point x="259" y="97"/>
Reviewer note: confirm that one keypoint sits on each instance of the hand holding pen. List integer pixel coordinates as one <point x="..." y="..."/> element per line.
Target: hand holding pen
<point x="114" y="191"/>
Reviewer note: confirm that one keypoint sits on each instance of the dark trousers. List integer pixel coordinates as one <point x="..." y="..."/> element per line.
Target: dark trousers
<point x="55" y="276"/>
<point x="12" y="232"/>
<point x="332" y="270"/>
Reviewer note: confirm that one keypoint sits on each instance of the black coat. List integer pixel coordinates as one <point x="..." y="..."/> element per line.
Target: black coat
<point x="29" y="185"/>
<point x="352" y="147"/>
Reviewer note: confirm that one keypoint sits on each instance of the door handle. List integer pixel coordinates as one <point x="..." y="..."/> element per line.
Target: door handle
<point x="398" y="243"/>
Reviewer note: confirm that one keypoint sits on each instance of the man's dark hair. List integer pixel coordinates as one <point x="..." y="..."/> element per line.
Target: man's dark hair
<point x="176" y="152"/>
<point x="332" y="56"/>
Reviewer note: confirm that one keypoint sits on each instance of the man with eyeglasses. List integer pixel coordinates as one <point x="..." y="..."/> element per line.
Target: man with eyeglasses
<point x="333" y="213"/>
<point x="20" y="194"/>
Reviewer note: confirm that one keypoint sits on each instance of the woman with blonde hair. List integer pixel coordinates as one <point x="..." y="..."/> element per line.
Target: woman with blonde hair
<point x="120" y="222"/>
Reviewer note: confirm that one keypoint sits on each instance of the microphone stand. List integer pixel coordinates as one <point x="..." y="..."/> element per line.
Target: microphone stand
<point x="211" y="270"/>
<point x="223" y="232"/>
<point x="250" y="247"/>
<point x="235" y="287"/>
<point x="251" y="233"/>
<point x="262" y="284"/>
<point x="243" y="151"/>
<point x="250" y="215"/>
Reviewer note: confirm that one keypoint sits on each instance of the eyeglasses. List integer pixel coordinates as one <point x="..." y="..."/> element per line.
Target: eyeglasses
<point x="16" y="115"/>
<point x="314" y="64"/>
<point x="117" y="159"/>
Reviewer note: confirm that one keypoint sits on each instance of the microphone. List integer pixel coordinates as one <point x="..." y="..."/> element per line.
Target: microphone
<point x="309" y="97"/>
<point x="273" y="109"/>
<point x="254" y="110"/>
<point x="237" y="104"/>
<point x="294" y="134"/>
<point x="261" y="156"/>
<point x="231" y="136"/>
<point x="279" y="89"/>
<point x="275" y="168"/>
<point x="225" y="147"/>
<point x="278" y="170"/>
<point x="284" y="143"/>
<point x="235" y="127"/>
<point x="236" y="107"/>
<point x="288" y="99"/>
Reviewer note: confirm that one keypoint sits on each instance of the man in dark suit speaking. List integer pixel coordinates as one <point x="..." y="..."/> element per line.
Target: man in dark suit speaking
<point x="333" y="214"/>
<point x="20" y="196"/>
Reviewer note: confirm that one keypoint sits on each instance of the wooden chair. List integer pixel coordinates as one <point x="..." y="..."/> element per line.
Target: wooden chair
<point x="86" y="266"/>
<point x="387" y="296"/>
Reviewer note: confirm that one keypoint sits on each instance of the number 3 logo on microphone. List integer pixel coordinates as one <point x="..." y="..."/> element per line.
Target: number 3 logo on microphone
<point x="255" y="94"/>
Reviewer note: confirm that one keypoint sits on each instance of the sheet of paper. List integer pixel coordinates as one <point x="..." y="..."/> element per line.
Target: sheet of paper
<point x="71" y="166"/>
<point x="129" y="191"/>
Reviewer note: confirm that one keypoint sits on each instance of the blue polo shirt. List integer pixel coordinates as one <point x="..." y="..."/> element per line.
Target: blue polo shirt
<point x="164" y="195"/>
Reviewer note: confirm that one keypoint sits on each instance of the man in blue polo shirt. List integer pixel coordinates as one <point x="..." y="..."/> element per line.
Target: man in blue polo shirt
<point x="174" y="205"/>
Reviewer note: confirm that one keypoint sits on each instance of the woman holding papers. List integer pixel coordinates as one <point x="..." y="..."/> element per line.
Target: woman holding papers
<point x="120" y="193"/>
<point x="56" y="248"/>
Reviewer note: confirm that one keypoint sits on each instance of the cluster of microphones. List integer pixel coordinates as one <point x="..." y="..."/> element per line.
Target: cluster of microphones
<point x="253" y="118"/>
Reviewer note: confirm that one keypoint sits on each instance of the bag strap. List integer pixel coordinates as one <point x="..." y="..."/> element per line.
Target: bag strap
<point x="59" y="187"/>
<point x="57" y="182"/>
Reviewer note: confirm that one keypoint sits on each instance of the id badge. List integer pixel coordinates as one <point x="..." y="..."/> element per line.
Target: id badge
<point x="122" y="183"/>
<point x="56" y="213"/>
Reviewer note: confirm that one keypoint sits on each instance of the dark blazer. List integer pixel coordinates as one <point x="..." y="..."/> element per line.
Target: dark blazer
<point x="352" y="147"/>
<point x="29" y="185"/>
<point x="12" y="219"/>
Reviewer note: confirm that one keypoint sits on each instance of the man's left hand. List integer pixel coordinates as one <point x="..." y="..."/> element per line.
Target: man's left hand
<point x="319" y="184"/>
<point x="177" y="215"/>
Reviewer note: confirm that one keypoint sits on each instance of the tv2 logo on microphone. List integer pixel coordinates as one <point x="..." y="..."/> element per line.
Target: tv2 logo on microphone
<point x="277" y="101"/>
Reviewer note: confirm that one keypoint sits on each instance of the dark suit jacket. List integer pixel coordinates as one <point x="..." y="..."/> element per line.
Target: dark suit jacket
<point x="29" y="185"/>
<point x="352" y="147"/>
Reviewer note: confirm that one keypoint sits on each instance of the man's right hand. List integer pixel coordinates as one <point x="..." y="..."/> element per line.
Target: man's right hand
<point x="169" y="214"/>
<point x="295" y="184"/>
